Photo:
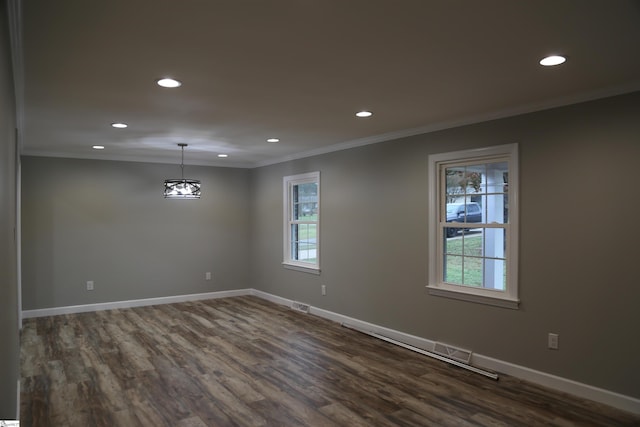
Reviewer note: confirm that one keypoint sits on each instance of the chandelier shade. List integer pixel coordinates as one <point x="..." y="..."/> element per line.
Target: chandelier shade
<point x="182" y="188"/>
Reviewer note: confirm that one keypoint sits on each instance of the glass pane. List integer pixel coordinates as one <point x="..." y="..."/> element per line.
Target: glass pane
<point x="495" y="208"/>
<point x="472" y="242"/>
<point x="472" y="271"/>
<point x="496" y="177"/>
<point x="294" y="241"/>
<point x="308" y="233"/>
<point x="450" y="232"/>
<point x="309" y="190"/>
<point x="506" y="208"/>
<point x="452" y="246"/>
<point x="304" y="201"/>
<point x="495" y="243"/>
<point x="308" y="211"/>
<point x="304" y="243"/>
<point x="473" y="209"/>
<point x="495" y="274"/>
<point x="455" y="183"/>
<point x="456" y="211"/>
<point x="307" y="252"/>
<point x="453" y="269"/>
<point x="475" y="179"/>
<point x="296" y="211"/>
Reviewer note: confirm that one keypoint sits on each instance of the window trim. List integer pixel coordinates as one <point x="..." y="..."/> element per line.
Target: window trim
<point x="435" y="286"/>
<point x="288" y="182"/>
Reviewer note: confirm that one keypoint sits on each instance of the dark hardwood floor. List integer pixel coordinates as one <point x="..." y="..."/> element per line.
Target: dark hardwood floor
<point x="247" y="362"/>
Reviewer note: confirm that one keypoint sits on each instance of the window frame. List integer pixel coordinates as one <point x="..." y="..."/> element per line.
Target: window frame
<point x="289" y="182"/>
<point x="436" y="197"/>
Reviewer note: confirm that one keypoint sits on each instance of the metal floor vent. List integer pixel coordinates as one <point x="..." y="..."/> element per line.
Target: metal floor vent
<point x="454" y="353"/>
<point x="300" y="306"/>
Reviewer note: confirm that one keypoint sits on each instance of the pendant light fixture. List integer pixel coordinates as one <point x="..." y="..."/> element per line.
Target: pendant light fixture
<point x="182" y="188"/>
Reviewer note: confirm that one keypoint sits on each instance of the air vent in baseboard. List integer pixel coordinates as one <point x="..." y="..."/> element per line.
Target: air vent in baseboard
<point x="451" y="352"/>
<point x="300" y="306"/>
<point x="455" y="362"/>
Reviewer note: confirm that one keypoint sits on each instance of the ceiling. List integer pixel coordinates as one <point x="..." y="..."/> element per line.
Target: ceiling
<point x="299" y="70"/>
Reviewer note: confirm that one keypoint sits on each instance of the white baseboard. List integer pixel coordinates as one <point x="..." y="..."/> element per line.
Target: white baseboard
<point x="413" y="340"/>
<point x="54" y="311"/>
<point x="586" y="391"/>
<point x="617" y="400"/>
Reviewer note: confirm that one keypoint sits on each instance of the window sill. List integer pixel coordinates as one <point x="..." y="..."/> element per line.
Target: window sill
<point x="464" y="295"/>
<point x="301" y="268"/>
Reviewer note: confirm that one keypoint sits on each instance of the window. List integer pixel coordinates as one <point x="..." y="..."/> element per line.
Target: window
<point x="302" y="222"/>
<point x="473" y="225"/>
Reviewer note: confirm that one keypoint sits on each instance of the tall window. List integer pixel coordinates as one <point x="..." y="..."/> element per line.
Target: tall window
<point x="302" y="221"/>
<point x="473" y="225"/>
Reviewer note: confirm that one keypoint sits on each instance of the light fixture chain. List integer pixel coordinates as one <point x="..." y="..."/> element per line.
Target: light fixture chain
<point x="182" y="162"/>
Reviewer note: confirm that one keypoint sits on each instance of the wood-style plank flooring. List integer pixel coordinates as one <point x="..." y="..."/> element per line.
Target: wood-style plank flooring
<point x="247" y="362"/>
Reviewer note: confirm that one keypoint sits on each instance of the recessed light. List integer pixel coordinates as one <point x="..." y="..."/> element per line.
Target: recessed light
<point x="273" y="140"/>
<point x="222" y="156"/>
<point x="552" y="60"/>
<point x="167" y="82"/>
<point x="364" y="114"/>
<point x="98" y="147"/>
<point x="119" y="125"/>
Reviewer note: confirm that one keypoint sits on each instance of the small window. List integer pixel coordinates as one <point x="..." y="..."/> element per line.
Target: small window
<point x="473" y="225"/>
<point x="302" y="222"/>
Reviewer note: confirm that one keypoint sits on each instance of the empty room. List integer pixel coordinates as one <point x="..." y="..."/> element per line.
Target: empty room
<point x="319" y="213"/>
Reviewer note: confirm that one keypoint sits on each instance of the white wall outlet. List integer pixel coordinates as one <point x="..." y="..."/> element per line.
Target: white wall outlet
<point x="552" y="341"/>
<point x="89" y="285"/>
<point x="207" y="275"/>
<point x="323" y="288"/>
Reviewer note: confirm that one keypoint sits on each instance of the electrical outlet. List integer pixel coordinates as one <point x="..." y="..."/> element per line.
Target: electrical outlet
<point x="89" y="285"/>
<point x="552" y="341"/>
<point x="207" y="275"/>
<point x="324" y="289"/>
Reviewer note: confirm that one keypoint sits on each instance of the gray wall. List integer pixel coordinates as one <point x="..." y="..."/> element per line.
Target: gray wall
<point x="9" y="339"/>
<point x="578" y="262"/>
<point x="108" y="222"/>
